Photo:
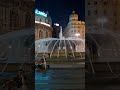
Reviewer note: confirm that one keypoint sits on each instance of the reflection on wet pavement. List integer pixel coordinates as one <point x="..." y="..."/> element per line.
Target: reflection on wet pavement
<point x="57" y="79"/>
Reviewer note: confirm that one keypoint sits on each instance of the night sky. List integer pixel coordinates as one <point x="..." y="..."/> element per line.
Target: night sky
<point x="60" y="10"/>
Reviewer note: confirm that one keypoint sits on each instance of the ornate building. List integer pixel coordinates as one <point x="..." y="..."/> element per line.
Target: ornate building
<point x="43" y="25"/>
<point x="16" y="15"/>
<point x="102" y="15"/>
<point x="74" y="27"/>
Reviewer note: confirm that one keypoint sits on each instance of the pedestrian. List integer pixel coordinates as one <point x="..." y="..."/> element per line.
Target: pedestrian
<point x="43" y="60"/>
<point x="19" y="79"/>
<point x="24" y="83"/>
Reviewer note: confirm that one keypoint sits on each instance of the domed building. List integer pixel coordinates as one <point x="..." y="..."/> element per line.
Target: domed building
<point x="43" y="25"/>
<point x="75" y="28"/>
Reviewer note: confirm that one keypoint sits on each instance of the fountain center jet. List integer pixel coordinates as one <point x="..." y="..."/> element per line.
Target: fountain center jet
<point x="60" y="34"/>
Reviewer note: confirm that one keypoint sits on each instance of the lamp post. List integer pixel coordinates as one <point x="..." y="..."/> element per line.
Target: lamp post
<point x="77" y="35"/>
<point x="102" y="21"/>
<point x="9" y="52"/>
<point x="77" y="46"/>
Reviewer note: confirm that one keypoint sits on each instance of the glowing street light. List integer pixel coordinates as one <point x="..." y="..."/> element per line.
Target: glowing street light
<point x="102" y="21"/>
<point x="77" y="34"/>
<point x="56" y="24"/>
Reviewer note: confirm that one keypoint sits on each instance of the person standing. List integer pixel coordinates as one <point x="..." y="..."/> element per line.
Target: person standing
<point x="43" y="59"/>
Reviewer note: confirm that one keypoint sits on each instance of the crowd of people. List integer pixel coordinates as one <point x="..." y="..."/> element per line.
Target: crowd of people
<point x="17" y="83"/>
<point x="20" y="82"/>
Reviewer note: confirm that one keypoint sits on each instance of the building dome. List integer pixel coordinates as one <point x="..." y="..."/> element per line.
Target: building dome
<point x="73" y="16"/>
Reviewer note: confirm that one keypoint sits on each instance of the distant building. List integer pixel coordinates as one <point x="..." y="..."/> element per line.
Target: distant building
<point x="102" y="15"/>
<point x="75" y="27"/>
<point x="16" y="15"/>
<point x="43" y="25"/>
<point x="56" y="30"/>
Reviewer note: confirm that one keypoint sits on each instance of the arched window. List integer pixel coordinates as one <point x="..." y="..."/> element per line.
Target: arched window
<point x="14" y="18"/>
<point x="40" y="34"/>
<point x="47" y="34"/>
<point x="27" y="20"/>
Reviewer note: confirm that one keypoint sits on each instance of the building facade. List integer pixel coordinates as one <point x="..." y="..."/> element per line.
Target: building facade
<point x="75" y="28"/>
<point x="16" y="15"/>
<point x="102" y="15"/>
<point x="43" y="25"/>
<point x="56" y="30"/>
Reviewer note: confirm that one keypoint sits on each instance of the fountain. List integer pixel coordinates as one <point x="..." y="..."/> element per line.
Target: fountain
<point x="61" y="48"/>
<point x="103" y="51"/>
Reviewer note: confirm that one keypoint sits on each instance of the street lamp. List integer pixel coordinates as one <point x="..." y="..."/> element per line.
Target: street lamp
<point x="56" y="24"/>
<point x="77" y="34"/>
<point x="102" y="21"/>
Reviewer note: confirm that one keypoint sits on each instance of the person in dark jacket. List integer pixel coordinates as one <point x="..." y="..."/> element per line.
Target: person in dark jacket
<point x="18" y="79"/>
<point x="43" y="60"/>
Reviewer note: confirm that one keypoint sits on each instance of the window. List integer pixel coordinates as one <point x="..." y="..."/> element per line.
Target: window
<point x="88" y="2"/>
<point x="89" y="13"/>
<point x="74" y="30"/>
<point x="95" y="12"/>
<point x="115" y="22"/>
<point x="40" y="34"/>
<point x="105" y="3"/>
<point x="13" y="18"/>
<point x="46" y="34"/>
<point x="95" y="3"/>
<point x="82" y="31"/>
<point x="114" y="14"/>
<point x="28" y="20"/>
<point x="40" y="20"/>
<point x="105" y="12"/>
<point x="46" y="20"/>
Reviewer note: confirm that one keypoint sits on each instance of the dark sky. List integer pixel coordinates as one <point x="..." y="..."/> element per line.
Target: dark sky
<point x="60" y="10"/>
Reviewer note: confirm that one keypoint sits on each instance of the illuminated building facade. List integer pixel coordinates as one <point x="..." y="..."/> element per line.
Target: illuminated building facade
<point x="16" y="15"/>
<point x="43" y="25"/>
<point x="74" y="27"/>
<point x="102" y="15"/>
<point x="56" y="30"/>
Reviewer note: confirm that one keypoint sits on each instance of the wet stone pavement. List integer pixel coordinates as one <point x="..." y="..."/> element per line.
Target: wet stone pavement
<point x="60" y="79"/>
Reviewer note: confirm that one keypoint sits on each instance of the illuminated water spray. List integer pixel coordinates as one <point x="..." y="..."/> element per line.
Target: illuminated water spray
<point x="60" y="47"/>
